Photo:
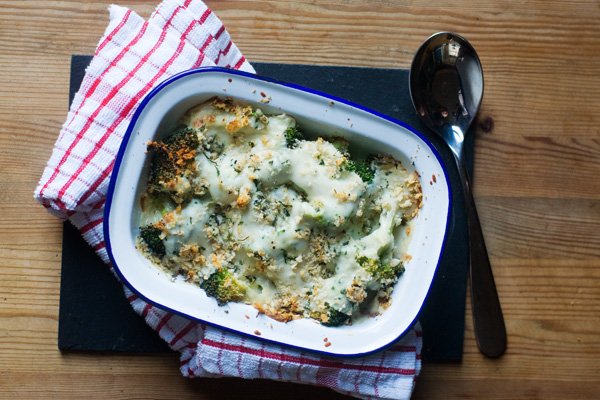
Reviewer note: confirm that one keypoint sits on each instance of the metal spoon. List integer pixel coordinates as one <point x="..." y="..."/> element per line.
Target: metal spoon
<point x="446" y="87"/>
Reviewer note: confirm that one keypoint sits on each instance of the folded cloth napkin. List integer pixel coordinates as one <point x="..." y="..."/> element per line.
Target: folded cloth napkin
<point x="132" y="57"/>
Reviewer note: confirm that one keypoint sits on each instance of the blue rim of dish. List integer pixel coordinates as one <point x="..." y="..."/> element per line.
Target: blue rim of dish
<point x="123" y="147"/>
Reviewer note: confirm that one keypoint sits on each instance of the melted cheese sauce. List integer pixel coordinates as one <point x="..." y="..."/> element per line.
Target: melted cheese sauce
<point x="287" y="218"/>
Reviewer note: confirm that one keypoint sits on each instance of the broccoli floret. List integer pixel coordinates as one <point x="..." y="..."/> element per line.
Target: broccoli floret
<point x="380" y="271"/>
<point x="151" y="235"/>
<point x="321" y="220"/>
<point x="292" y="135"/>
<point x="340" y="144"/>
<point x="335" y="318"/>
<point x="184" y="137"/>
<point x="171" y="157"/>
<point x="362" y="169"/>
<point x="224" y="287"/>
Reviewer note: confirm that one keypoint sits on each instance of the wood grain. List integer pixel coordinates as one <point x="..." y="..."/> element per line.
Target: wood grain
<point x="537" y="185"/>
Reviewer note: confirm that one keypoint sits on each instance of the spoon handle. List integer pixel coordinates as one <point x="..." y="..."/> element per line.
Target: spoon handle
<point x="488" y="321"/>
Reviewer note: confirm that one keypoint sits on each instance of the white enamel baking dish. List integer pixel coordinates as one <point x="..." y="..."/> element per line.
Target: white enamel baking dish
<point x="316" y="113"/>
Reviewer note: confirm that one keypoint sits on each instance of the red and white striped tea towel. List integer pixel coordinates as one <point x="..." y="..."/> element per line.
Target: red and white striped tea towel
<point x="132" y="57"/>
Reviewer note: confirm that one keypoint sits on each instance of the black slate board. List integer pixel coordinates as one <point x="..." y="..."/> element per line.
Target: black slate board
<point x="95" y="316"/>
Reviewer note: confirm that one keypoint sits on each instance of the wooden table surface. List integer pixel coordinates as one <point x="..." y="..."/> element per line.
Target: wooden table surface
<point x="537" y="186"/>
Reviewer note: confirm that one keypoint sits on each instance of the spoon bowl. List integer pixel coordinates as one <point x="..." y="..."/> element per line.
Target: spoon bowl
<point x="446" y="88"/>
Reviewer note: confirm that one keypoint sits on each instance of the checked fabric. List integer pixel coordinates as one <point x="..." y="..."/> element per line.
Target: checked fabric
<point x="132" y="57"/>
